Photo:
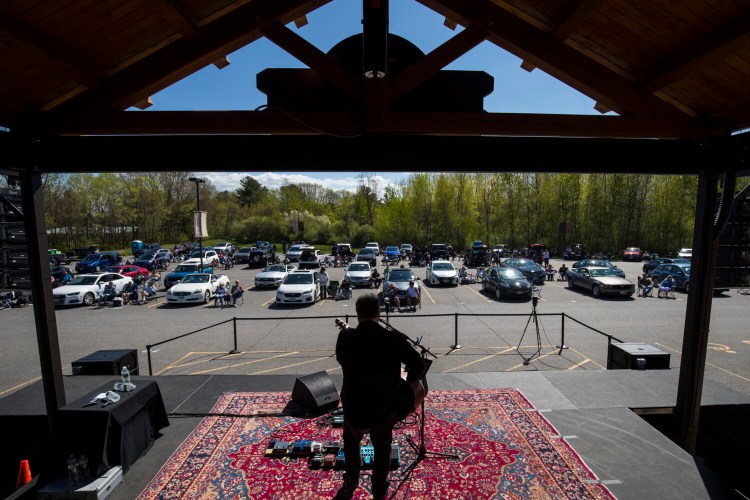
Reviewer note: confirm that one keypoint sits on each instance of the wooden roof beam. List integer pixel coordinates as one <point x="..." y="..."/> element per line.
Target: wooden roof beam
<point x="436" y="60"/>
<point x="176" y="15"/>
<point x="186" y="56"/>
<point x="318" y="61"/>
<point x="557" y="59"/>
<point x="733" y="38"/>
<point x="75" y="65"/>
<point x="575" y="14"/>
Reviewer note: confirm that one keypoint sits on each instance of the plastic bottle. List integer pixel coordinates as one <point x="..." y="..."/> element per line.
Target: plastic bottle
<point x="125" y="377"/>
<point x="83" y="469"/>
<point x="72" y="469"/>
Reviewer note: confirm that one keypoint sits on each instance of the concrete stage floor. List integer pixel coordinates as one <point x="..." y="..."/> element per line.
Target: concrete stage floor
<point x="596" y="411"/>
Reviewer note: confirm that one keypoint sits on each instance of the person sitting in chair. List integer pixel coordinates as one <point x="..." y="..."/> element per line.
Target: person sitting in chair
<point x="646" y="286"/>
<point x="665" y="287"/>
<point x="376" y="279"/>
<point x="149" y="291"/>
<point x="390" y="298"/>
<point x="236" y="292"/>
<point x="345" y="290"/>
<point x="562" y="272"/>
<point x="109" y="293"/>
<point x="550" y="272"/>
<point x="220" y="297"/>
<point x="412" y="296"/>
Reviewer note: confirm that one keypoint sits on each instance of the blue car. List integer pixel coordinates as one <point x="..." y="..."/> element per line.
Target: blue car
<point x="183" y="270"/>
<point x="679" y="271"/>
<point x="392" y="254"/>
<point x="96" y="262"/>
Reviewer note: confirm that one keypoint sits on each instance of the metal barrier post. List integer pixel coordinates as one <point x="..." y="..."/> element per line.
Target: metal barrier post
<point x="148" y="353"/>
<point x="234" y="323"/>
<point x="455" y="345"/>
<point x="562" y="336"/>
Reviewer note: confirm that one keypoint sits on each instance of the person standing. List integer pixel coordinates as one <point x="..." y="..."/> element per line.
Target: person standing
<point x="323" y="276"/>
<point x="545" y="256"/>
<point x="370" y="356"/>
<point x="412" y="296"/>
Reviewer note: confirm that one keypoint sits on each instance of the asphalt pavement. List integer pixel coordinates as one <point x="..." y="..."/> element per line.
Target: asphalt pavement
<point x="493" y="335"/>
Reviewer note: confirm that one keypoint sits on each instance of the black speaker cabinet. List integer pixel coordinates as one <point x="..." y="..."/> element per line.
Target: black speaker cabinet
<point x="636" y="356"/>
<point x="316" y="392"/>
<point x="107" y="362"/>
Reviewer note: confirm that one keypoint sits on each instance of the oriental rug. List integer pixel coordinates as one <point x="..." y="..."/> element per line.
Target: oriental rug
<point x="505" y="449"/>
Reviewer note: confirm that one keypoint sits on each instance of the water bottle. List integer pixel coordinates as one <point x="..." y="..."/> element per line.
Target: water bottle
<point x="72" y="469"/>
<point x="83" y="469"/>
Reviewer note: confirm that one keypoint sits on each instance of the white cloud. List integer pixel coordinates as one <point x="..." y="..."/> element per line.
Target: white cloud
<point x="230" y="181"/>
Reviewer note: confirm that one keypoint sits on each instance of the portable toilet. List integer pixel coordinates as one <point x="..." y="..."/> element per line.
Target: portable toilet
<point x="136" y="246"/>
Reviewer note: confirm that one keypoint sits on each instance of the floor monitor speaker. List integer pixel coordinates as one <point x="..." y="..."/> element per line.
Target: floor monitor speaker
<point x="316" y="392"/>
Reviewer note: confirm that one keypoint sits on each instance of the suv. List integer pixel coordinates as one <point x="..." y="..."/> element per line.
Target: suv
<point x="95" y="262"/>
<point x="343" y="249"/>
<point x="574" y="251"/>
<point x="633" y="254"/>
<point x="226" y="248"/>
<point x="439" y="251"/>
<point x="242" y="256"/>
<point x="56" y="257"/>
<point x="406" y="250"/>
<point x="261" y="257"/>
<point x="294" y="252"/>
<point x="368" y="254"/>
<point x="310" y="257"/>
<point x="374" y="245"/>
<point x="299" y="287"/>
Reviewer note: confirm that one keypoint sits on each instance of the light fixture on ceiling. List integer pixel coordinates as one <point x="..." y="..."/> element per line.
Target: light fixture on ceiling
<point x="375" y="38"/>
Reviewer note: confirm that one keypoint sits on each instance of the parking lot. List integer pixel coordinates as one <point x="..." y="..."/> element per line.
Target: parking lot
<point x="493" y="335"/>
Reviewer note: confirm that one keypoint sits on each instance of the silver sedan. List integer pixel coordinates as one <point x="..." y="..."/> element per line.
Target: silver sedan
<point x="600" y="280"/>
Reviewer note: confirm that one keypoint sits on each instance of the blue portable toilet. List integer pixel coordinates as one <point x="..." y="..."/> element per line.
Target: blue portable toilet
<point x="136" y="246"/>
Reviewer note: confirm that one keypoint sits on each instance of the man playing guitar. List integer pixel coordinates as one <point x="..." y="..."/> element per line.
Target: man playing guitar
<point x="370" y="356"/>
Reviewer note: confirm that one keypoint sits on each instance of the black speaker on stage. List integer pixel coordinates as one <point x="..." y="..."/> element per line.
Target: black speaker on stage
<point x="316" y="392"/>
<point x="107" y="362"/>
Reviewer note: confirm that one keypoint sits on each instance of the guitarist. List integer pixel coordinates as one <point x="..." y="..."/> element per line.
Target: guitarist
<point x="370" y="356"/>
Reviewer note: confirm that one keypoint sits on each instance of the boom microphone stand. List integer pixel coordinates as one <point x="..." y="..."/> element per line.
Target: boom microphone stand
<point x="421" y="450"/>
<point x="533" y="315"/>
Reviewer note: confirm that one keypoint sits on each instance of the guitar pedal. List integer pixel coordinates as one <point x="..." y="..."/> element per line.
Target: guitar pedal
<point x="367" y="456"/>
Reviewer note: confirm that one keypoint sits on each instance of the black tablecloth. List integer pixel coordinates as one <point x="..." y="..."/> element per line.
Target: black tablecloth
<point x="117" y="434"/>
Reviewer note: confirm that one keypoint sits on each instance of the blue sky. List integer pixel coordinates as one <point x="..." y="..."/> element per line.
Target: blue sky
<point x="234" y="87"/>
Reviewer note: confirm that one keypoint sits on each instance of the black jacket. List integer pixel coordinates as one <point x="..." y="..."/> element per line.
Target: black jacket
<point x="370" y="357"/>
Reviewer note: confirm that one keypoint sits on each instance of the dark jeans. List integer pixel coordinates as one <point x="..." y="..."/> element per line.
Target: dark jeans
<point x="381" y="436"/>
<point x="323" y="290"/>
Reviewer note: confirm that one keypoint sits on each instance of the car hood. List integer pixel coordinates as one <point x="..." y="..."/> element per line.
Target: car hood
<point x="66" y="289"/>
<point x="445" y="273"/>
<point x="611" y="280"/>
<point x="296" y="288"/>
<point x="531" y="269"/>
<point x="359" y="274"/>
<point x="399" y="285"/>
<point x="189" y="287"/>
<point x="271" y="274"/>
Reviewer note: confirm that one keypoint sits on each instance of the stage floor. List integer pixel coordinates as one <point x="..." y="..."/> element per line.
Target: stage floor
<point x="593" y="410"/>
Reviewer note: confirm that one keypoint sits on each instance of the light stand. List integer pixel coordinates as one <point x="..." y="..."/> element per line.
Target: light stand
<point x="533" y="315"/>
<point x="421" y="450"/>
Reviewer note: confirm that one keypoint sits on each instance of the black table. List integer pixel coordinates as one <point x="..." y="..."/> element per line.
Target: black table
<point x="117" y="434"/>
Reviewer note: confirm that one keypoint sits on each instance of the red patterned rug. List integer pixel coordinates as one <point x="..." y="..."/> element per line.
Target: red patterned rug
<point x="506" y="449"/>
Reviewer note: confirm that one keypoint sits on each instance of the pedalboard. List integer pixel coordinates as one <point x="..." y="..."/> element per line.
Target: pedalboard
<point x="327" y="454"/>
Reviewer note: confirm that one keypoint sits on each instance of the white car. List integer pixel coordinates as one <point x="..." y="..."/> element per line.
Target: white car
<point x="311" y="257"/>
<point x="273" y="276"/>
<point x="299" y="287"/>
<point x="294" y="252"/>
<point x="375" y="246"/>
<point x="224" y="247"/>
<point x="685" y="253"/>
<point x="210" y="257"/>
<point x="195" y="288"/>
<point x="359" y="274"/>
<point x="441" y="272"/>
<point x="86" y="288"/>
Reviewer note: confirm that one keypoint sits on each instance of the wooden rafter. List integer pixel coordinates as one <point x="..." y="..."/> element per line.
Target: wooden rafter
<point x="176" y="15"/>
<point x="575" y="15"/>
<point x="436" y="60"/>
<point x="75" y="65"/>
<point x="733" y="38"/>
<point x="184" y="57"/>
<point x="305" y="52"/>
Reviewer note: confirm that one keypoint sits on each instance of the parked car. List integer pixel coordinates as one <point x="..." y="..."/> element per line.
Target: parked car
<point x="226" y="248"/>
<point x="195" y="288"/>
<point x="598" y="263"/>
<point x="209" y="256"/>
<point x="600" y="280"/>
<point x="148" y="260"/>
<point x="273" y="275"/>
<point x="299" y="287"/>
<point x="131" y="271"/>
<point x="374" y="245"/>
<point x="311" y="258"/>
<point x="61" y="274"/>
<point x="535" y="252"/>
<point x="506" y="282"/>
<point x="439" y="251"/>
<point x="343" y="249"/>
<point x="359" y="274"/>
<point x="479" y="256"/>
<point x="183" y="270"/>
<point x="242" y="256"/>
<point x="574" y="251"/>
<point x="680" y="272"/>
<point x="632" y="254"/>
<point x="164" y="254"/>
<point x="392" y="253"/>
<point x="406" y="250"/>
<point x="56" y="257"/>
<point x="294" y="251"/>
<point x="685" y="253"/>
<point x="441" y="272"/>
<point x="649" y="266"/>
<point x="368" y="255"/>
<point x="533" y="271"/>
<point x="86" y="288"/>
<point x="95" y="262"/>
<point x="400" y="279"/>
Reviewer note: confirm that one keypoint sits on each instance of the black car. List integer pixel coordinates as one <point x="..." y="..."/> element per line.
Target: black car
<point x="506" y="282"/>
<point x="574" y="252"/>
<point x="598" y="263"/>
<point x="652" y="264"/>
<point x="439" y="251"/>
<point x="261" y="257"/>
<point x="242" y="256"/>
<point x="533" y="271"/>
<point x="479" y="256"/>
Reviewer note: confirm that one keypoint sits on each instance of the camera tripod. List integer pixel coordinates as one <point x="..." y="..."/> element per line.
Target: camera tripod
<point x="532" y="316"/>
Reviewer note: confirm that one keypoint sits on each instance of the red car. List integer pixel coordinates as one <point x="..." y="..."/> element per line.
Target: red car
<point x="130" y="271"/>
<point x="632" y="254"/>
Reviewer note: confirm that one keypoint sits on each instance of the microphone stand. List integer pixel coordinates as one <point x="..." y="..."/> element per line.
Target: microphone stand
<point x="420" y="450"/>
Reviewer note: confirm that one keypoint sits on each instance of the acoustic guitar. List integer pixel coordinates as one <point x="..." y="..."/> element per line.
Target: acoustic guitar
<point x="409" y="395"/>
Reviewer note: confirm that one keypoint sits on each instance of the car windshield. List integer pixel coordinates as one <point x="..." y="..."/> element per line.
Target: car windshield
<point x="406" y="246"/>
<point x="298" y="279"/>
<point x="400" y="275"/>
<point x="92" y="257"/>
<point x="632" y="249"/>
<point x="186" y="268"/>
<point x="274" y="269"/>
<point x="148" y="256"/>
<point x="295" y="248"/>
<point x="510" y="273"/>
<point x="83" y="280"/>
<point x="246" y="249"/>
<point x="598" y="263"/>
<point x="685" y="269"/>
<point x="602" y="272"/>
<point x="391" y="249"/>
<point x="197" y="254"/>
<point x="438" y="247"/>
<point x="443" y="266"/>
<point x="523" y="263"/>
<point x="359" y="267"/>
<point x="196" y="278"/>
<point x="367" y="251"/>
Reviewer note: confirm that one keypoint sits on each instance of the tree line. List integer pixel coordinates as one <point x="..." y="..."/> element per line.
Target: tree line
<point x="604" y="212"/>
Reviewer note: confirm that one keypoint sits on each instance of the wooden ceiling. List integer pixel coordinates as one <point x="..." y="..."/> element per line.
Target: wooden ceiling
<point x="669" y="69"/>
